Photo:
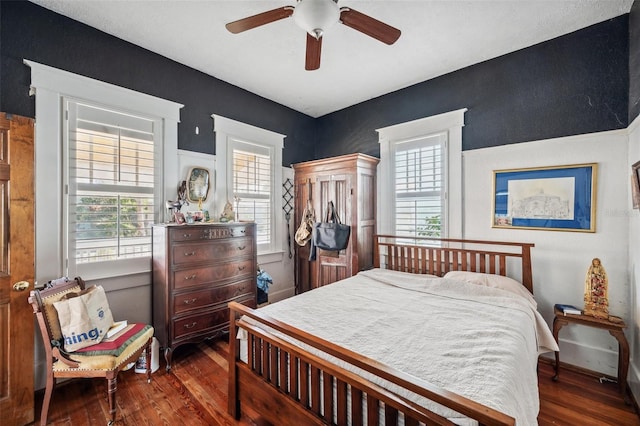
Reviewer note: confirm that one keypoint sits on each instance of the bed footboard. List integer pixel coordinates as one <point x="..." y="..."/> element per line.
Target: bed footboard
<point x="286" y="383"/>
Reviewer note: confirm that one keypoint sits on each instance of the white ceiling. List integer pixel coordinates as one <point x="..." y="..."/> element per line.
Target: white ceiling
<point x="438" y="36"/>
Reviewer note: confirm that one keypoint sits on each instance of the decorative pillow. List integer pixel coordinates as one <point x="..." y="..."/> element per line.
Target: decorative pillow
<point x="493" y="280"/>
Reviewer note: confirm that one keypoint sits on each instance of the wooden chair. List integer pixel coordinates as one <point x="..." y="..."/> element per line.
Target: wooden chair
<point x="97" y="363"/>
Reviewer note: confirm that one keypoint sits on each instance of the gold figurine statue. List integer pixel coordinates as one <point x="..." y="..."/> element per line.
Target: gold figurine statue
<point x="596" y="303"/>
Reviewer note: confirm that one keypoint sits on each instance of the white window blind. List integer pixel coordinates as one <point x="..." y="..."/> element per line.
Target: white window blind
<point x="111" y="174"/>
<point x="253" y="187"/>
<point x="418" y="173"/>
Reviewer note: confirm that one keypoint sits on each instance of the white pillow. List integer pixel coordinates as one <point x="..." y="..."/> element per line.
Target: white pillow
<point x="493" y="280"/>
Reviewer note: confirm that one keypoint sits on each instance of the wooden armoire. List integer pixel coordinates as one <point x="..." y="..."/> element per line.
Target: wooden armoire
<point x="350" y="182"/>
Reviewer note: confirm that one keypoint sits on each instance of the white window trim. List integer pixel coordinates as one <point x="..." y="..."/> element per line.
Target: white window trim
<point x="450" y="122"/>
<point x="50" y="85"/>
<point x="226" y="131"/>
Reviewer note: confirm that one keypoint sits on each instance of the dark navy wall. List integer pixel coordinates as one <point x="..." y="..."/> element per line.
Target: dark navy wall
<point x="634" y="61"/>
<point x="574" y="84"/>
<point x="28" y="31"/>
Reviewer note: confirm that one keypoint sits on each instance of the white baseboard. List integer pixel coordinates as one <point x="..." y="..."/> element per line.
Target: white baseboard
<point x="590" y="358"/>
<point x="634" y="381"/>
<point x="281" y="294"/>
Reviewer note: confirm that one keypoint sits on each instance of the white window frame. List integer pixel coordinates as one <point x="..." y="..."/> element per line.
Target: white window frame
<point x="70" y="245"/>
<point x="50" y="85"/>
<point x="449" y="122"/>
<point x="227" y="133"/>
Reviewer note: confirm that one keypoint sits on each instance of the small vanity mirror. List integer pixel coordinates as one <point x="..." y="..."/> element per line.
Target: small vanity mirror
<point x="197" y="184"/>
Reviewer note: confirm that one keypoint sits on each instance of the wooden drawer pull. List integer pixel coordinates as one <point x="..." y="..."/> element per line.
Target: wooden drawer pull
<point x="193" y="324"/>
<point x="190" y="301"/>
<point x="190" y="277"/>
<point x="242" y="247"/>
<point x="186" y="235"/>
<point x="192" y="253"/>
<point x="241" y="268"/>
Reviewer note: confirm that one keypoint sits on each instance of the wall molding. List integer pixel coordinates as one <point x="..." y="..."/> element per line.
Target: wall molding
<point x="450" y="122"/>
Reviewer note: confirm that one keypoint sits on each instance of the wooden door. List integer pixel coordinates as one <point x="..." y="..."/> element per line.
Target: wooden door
<point x="16" y="269"/>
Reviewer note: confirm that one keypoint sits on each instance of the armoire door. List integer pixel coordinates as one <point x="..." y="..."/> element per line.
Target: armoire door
<point x="17" y="269"/>
<point x="303" y="192"/>
<point x="334" y="187"/>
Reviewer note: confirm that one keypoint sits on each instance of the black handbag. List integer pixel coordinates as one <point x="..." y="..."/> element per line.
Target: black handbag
<point x="331" y="235"/>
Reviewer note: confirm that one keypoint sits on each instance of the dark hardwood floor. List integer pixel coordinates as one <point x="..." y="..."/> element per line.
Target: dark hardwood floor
<point x="195" y="393"/>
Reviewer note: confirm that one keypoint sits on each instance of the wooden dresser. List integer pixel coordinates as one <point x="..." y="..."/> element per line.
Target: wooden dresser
<point x="197" y="270"/>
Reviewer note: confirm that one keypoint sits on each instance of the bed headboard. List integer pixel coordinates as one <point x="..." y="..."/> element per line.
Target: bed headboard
<point x="437" y="256"/>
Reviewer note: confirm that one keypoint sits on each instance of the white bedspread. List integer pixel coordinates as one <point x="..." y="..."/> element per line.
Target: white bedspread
<point x="479" y="342"/>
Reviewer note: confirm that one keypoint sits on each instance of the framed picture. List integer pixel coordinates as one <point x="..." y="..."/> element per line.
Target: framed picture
<point x="561" y="198"/>
<point x="197" y="184"/>
<point x="635" y="185"/>
<point x="179" y="218"/>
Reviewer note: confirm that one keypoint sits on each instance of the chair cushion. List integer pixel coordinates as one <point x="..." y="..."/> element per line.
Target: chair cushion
<point x="105" y="358"/>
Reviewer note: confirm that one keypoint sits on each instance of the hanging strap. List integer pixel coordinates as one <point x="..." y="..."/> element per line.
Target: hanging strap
<point x="332" y="214"/>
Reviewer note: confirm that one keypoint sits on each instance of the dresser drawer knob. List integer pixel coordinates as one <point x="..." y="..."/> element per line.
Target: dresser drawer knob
<point x="186" y="235"/>
<point x="192" y="253"/>
<point x="242" y="247"/>
<point x="190" y="277"/>
<point x="241" y="268"/>
<point x="188" y="326"/>
<point x="190" y="301"/>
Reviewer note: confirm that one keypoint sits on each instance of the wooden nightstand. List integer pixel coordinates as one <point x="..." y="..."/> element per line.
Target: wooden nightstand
<point x="615" y="329"/>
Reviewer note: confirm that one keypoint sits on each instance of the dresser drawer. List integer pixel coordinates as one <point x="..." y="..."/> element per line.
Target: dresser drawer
<point x="203" y="321"/>
<point x="206" y="252"/>
<point x="207" y="232"/>
<point x="198" y="276"/>
<point x="185" y="302"/>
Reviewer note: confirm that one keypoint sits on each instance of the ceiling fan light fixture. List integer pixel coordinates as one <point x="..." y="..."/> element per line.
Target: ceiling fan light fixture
<point x="316" y="16"/>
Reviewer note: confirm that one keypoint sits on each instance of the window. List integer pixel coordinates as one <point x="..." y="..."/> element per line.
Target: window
<point x="419" y="186"/>
<point x="420" y="175"/>
<point x="248" y="167"/>
<point x="110" y="203"/>
<point x="253" y="187"/>
<point x="97" y="193"/>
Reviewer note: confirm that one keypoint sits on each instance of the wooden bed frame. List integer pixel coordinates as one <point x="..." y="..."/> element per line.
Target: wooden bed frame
<point x="287" y="385"/>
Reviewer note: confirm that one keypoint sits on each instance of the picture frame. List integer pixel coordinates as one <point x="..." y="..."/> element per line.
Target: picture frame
<point x="558" y="198"/>
<point x="179" y="218"/>
<point x="635" y="185"/>
<point x="198" y="184"/>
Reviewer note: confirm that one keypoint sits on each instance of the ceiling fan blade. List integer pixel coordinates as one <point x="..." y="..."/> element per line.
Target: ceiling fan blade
<point x="260" y="19"/>
<point x="369" y="26"/>
<point x="314" y="48"/>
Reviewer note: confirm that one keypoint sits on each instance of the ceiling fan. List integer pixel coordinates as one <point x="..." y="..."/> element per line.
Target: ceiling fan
<point x="315" y="17"/>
